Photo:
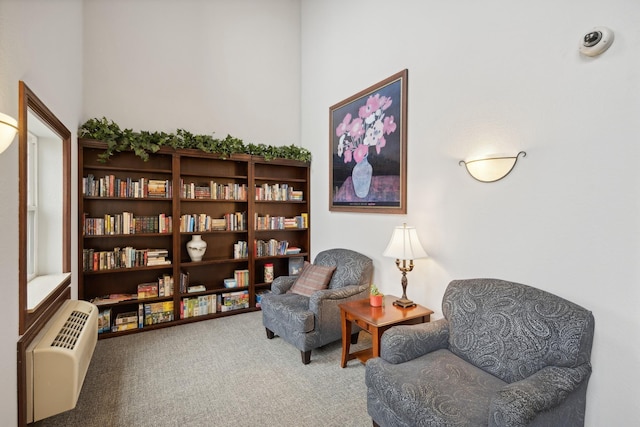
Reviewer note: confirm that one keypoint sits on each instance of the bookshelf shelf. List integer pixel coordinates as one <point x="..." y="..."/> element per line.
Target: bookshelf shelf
<point x="115" y="169"/>
<point x="127" y="270"/>
<point x="207" y="262"/>
<point x="193" y="185"/>
<point x="131" y="235"/>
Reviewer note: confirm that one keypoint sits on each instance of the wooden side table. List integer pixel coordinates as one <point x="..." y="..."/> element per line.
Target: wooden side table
<point x="375" y="320"/>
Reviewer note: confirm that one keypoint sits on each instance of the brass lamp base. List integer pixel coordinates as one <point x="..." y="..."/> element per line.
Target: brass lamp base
<point x="404" y="303"/>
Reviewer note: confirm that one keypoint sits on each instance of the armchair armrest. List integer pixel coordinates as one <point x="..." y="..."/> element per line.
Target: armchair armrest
<point x="282" y="284"/>
<point x="518" y="403"/>
<point x="324" y="303"/>
<point x="402" y="343"/>
<point x="340" y="294"/>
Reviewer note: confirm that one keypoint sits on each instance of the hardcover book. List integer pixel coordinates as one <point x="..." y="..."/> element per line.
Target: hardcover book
<point x="295" y="265"/>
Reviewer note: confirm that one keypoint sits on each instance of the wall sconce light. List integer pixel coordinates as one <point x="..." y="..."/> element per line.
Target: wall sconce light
<point x="8" y="130"/>
<point x="491" y="169"/>
<point x="404" y="245"/>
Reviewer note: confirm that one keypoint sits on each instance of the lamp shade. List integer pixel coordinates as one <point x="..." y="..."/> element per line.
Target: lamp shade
<point x="8" y="129"/>
<point x="404" y="244"/>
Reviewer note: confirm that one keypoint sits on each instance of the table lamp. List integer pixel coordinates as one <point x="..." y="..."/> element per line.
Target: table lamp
<point x="404" y="246"/>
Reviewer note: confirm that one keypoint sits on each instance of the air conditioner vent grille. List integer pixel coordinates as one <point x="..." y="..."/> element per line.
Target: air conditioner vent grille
<point x="70" y="331"/>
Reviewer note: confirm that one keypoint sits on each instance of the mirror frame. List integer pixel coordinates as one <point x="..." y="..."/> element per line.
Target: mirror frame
<point x="28" y="101"/>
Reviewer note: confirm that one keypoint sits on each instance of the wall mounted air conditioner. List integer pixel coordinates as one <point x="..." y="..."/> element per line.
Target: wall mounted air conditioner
<point x="58" y="359"/>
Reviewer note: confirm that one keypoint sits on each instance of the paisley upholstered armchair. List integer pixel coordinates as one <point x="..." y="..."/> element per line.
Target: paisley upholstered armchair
<point x="304" y="310"/>
<point x="504" y="354"/>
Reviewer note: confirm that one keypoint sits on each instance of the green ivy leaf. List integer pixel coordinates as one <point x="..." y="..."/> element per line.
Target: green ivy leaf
<point x="144" y="142"/>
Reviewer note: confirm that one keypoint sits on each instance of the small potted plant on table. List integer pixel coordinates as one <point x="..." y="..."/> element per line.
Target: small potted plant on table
<point x="375" y="297"/>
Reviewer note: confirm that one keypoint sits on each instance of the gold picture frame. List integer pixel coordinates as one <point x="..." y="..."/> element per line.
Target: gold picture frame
<point x="368" y="149"/>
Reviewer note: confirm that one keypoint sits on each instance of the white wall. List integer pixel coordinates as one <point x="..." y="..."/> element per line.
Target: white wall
<point x="499" y="76"/>
<point x="41" y="44"/>
<point x="205" y="66"/>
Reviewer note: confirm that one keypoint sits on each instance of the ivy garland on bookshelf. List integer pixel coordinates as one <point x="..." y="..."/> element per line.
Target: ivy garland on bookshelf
<point x="144" y="142"/>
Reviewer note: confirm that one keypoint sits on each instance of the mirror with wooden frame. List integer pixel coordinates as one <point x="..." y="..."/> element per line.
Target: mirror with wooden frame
<point x="44" y="207"/>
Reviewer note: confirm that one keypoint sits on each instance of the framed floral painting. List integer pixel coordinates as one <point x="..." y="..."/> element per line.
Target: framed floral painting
<point x="368" y="143"/>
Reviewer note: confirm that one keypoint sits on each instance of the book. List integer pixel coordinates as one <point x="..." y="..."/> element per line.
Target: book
<point x="124" y="327"/>
<point x="152" y="262"/>
<point x="233" y="300"/>
<point x="104" y="321"/>
<point x="158" y="312"/>
<point x="113" y="298"/>
<point x="147" y="290"/>
<point x="128" y="317"/>
<point x="295" y="265"/>
<point x="259" y="296"/>
<point x="196" y="288"/>
<point x="184" y="282"/>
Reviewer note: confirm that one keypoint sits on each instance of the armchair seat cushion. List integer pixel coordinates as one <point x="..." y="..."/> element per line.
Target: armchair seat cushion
<point x="291" y="310"/>
<point x="436" y="389"/>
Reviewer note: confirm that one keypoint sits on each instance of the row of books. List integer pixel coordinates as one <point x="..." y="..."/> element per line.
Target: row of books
<point x="269" y="222"/>
<point x="191" y="223"/>
<point x="161" y="312"/>
<point x="278" y="192"/>
<point x="230" y="301"/>
<point x="213" y="190"/>
<point x="163" y="287"/>
<point x="240" y="249"/>
<point x="155" y="312"/>
<point x="126" y="223"/>
<point x="147" y="314"/>
<point x="241" y="277"/>
<point x="198" y="306"/>
<point x="273" y="247"/>
<point x="127" y="257"/>
<point x="112" y="186"/>
<point x="210" y="304"/>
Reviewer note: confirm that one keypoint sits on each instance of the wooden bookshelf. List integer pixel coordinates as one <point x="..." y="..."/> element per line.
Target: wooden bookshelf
<point x="117" y="210"/>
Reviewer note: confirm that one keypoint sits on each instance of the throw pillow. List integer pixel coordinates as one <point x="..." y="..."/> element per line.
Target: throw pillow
<point x="312" y="278"/>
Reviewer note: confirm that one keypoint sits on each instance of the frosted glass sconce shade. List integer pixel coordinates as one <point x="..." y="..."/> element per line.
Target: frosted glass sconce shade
<point x="8" y="130"/>
<point x="491" y="169"/>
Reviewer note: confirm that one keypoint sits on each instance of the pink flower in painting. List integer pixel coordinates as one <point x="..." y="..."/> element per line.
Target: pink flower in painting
<point x="343" y="127"/>
<point x="356" y="130"/>
<point x="389" y="125"/>
<point x="370" y="107"/>
<point x="360" y="153"/>
<point x="347" y="156"/>
<point x="368" y="129"/>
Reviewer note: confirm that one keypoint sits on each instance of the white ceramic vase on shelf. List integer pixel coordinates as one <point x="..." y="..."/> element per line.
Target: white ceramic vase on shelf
<point x="196" y="247"/>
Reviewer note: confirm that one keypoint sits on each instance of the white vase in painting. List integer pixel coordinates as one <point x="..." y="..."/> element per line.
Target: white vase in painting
<point x="361" y="177"/>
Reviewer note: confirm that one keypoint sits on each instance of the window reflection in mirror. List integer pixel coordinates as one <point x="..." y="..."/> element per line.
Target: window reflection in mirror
<point x="44" y="158"/>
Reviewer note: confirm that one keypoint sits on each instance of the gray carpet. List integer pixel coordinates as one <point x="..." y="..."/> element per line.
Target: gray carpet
<point x="220" y="372"/>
